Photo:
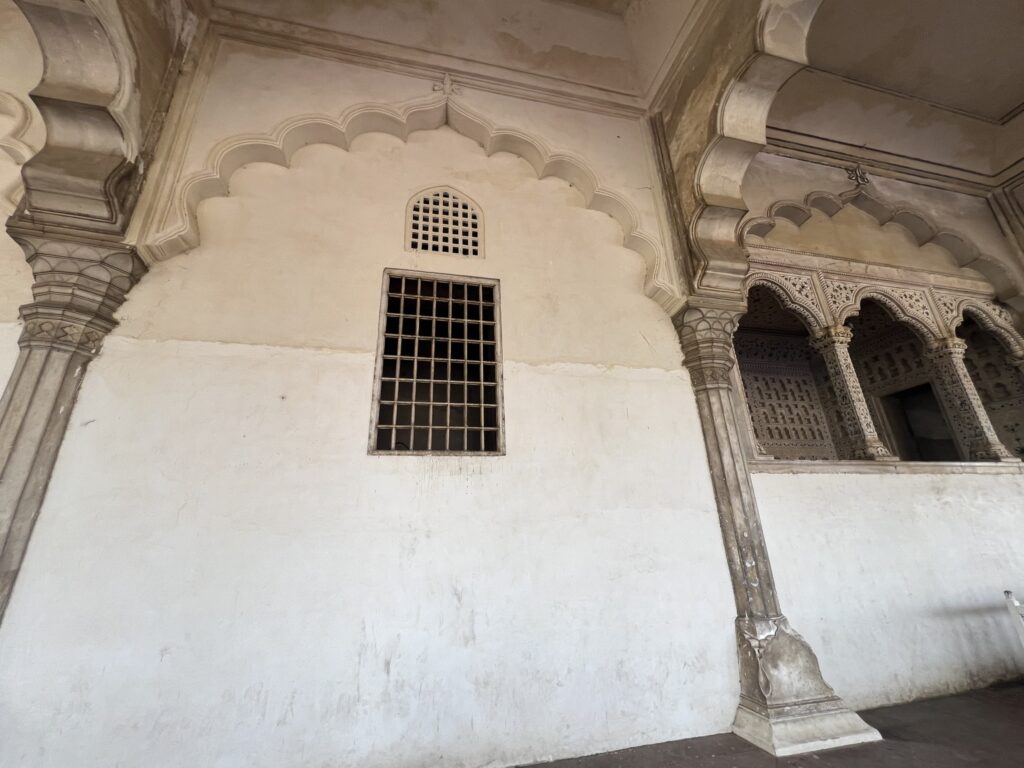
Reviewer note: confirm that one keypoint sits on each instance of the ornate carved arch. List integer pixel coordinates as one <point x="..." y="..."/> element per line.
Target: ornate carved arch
<point x="994" y="319"/>
<point x="795" y="293"/>
<point x="905" y="305"/>
<point x="177" y="229"/>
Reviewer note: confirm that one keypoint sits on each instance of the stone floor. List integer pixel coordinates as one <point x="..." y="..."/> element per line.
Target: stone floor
<point x="982" y="729"/>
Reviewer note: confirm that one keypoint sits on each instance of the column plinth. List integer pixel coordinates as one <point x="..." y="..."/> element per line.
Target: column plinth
<point x="785" y="707"/>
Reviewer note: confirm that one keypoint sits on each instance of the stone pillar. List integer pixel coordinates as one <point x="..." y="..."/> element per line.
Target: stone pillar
<point x="833" y="344"/>
<point x="786" y="707"/>
<point x="78" y="285"/>
<point x="961" y="402"/>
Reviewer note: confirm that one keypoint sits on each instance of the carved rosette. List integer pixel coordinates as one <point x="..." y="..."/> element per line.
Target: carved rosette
<point x="78" y="287"/>
<point x="962" y="403"/>
<point x="833" y="344"/>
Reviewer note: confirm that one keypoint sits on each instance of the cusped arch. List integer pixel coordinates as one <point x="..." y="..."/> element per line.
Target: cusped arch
<point x="920" y="227"/>
<point x="788" y="295"/>
<point x="994" y="319"/>
<point x="279" y="146"/>
<point x="923" y="326"/>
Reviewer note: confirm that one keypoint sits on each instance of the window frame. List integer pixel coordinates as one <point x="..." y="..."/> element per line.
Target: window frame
<point x="490" y="282"/>
<point x="474" y="207"/>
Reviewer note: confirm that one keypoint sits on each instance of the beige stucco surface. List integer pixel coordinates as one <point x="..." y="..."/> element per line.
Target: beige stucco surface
<point x="258" y="590"/>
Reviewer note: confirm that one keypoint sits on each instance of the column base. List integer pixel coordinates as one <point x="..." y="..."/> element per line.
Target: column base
<point x="784" y="735"/>
<point x="786" y="707"/>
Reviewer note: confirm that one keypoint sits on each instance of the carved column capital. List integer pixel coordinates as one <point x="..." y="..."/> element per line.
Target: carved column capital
<point x="79" y="284"/>
<point x="831" y="336"/>
<point x="706" y="336"/>
<point x="948" y="347"/>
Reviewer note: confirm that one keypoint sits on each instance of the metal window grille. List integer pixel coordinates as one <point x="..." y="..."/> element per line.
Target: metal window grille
<point x="438" y="380"/>
<point x="441" y="221"/>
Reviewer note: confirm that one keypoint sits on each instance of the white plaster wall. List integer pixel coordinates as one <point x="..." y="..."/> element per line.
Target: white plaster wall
<point x="221" y="575"/>
<point x="897" y="580"/>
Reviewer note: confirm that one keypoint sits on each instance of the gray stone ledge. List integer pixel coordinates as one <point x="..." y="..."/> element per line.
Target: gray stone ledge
<point x="779" y="467"/>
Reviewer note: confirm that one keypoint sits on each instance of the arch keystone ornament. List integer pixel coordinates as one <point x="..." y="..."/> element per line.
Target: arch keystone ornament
<point x="786" y="707"/>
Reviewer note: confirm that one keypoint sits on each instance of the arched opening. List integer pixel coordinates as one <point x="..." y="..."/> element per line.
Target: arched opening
<point x="792" y="407"/>
<point x="1000" y="384"/>
<point x="897" y="381"/>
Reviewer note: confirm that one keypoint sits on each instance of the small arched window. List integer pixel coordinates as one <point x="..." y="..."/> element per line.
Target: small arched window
<point x="442" y="220"/>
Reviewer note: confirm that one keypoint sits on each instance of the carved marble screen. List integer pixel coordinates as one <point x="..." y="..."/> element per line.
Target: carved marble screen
<point x="999" y="384"/>
<point x="786" y="396"/>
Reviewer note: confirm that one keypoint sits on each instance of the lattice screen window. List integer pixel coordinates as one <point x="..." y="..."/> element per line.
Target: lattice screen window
<point x="438" y="382"/>
<point x="443" y="221"/>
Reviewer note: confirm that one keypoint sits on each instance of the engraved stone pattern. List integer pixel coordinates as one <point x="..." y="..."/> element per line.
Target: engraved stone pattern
<point x="840" y="295"/>
<point x="962" y="402"/>
<point x="833" y="345"/>
<point x="891" y="364"/>
<point x="796" y="292"/>
<point x="786" y="412"/>
<point x="948" y="304"/>
<point x="1000" y="386"/>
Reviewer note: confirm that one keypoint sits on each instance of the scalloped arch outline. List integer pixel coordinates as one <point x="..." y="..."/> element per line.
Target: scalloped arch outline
<point x="998" y="326"/>
<point x="279" y="146"/>
<point x="809" y="315"/>
<point x="924" y="330"/>
<point x="920" y="227"/>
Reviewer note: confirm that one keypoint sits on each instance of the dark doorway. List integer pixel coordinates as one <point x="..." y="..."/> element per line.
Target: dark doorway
<point x="918" y="426"/>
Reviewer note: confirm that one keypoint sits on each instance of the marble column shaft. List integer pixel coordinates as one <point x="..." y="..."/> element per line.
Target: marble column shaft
<point x="78" y="285"/>
<point x="833" y="344"/>
<point x="962" y="403"/>
<point x="786" y="707"/>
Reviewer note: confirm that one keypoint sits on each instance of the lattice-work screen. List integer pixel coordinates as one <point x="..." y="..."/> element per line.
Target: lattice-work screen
<point x="443" y="222"/>
<point x="438" y="387"/>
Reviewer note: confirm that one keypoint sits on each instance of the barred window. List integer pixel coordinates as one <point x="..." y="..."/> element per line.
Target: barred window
<point x="444" y="221"/>
<point x="438" y="379"/>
